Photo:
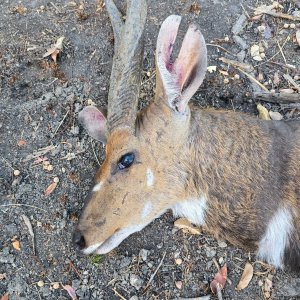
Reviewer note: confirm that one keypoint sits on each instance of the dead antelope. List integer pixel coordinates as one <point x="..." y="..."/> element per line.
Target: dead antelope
<point x="228" y="171"/>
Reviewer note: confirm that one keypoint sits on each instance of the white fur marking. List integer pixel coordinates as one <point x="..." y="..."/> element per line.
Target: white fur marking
<point x="146" y="209"/>
<point x="273" y="243"/>
<point x="192" y="209"/>
<point x="97" y="187"/>
<point x="150" y="177"/>
<point x="92" y="248"/>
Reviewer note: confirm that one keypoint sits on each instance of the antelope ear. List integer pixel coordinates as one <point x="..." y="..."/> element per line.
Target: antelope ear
<point x="181" y="79"/>
<point x="94" y="122"/>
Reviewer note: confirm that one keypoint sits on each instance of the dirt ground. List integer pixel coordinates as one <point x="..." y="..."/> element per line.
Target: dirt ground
<point x="42" y="142"/>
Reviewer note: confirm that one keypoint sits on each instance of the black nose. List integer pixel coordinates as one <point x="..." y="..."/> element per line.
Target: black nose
<point x="78" y="240"/>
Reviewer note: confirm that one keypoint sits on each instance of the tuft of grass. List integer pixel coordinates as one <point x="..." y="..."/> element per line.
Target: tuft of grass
<point x="96" y="259"/>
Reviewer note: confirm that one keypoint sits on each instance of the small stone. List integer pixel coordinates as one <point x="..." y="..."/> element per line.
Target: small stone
<point x="226" y="39"/>
<point x="55" y="285"/>
<point x="56" y="179"/>
<point x="50" y="168"/>
<point x="143" y="254"/>
<point x="40" y="283"/>
<point x="286" y="25"/>
<point x="134" y="298"/>
<point x="136" y="281"/>
<point x="292" y="25"/>
<point x="178" y="261"/>
<point x="296" y="77"/>
<point x="263" y="55"/>
<point x="236" y="76"/>
<point x="148" y="74"/>
<point x="178" y="284"/>
<point x="275" y="115"/>
<point x="221" y="260"/>
<point x="210" y="252"/>
<point x="222" y="244"/>
<point x="17" y="172"/>
<point x="226" y="80"/>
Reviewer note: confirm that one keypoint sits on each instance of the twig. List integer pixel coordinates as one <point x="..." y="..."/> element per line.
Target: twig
<point x="118" y="294"/>
<point x="292" y="81"/>
<point x="254" y="80"/>
<point x="219" y="291"/>
<point x="61" y="122"/>
<point x="277" y="97"/>
<point x="286" y="40"/>
<point x="71" y="266"/>
<point x="95" y="154"/>
<point x="27" y="205"/>
<point x="218" y="46"/>
<point x="278" y="15"/>
<point x="236" y="64"/>
<point x="153" y="275"/>
<point x="7" y="162"/>
<point x="29" y="226"/>
<point x="197" y="298"/>
<point x="246" y="13"/>
<point x="281" y="51"/>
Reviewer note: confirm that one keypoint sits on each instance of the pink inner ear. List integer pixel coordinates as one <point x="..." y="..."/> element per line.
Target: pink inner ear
<point x="94" y="122"/>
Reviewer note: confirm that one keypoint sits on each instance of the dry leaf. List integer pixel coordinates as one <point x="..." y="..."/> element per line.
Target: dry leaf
<point x="275" y="115"/>
<point x="55" y="50"/>
<point x="211" y="69"/>
<point x="288" y="91"/>
<point x="186" y="226"/>
<point x="298" y="37"/>
<point x="50" y="188"/>
<point x="5" y="297"/>
<point x="16" y="245"/>
<point x="195" y="8"/>
<point x="71" y="291"/>
<point x="263" y="112"/>
<point x="246" y="277"/>
<point x="3" y="276"/>
<point x="220" y="279"/>
<point x="19" y="9"/>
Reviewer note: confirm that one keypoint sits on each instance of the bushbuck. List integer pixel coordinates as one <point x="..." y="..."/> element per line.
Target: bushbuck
<point x="234" y="174"/>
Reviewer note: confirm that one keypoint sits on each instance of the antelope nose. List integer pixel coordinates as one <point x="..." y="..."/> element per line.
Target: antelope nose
<point x="78" y="240"/>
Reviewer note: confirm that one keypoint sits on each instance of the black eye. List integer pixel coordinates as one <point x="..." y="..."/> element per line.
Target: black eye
<point x="126" y="161"/>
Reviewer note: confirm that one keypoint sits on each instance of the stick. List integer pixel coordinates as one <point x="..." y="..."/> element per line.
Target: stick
<point x="27" y="205"/>
<point x="237" y="64"/>
<point x="254" y="80"/>
<point x="278" y="15"/>
<point x="153" y="275"/>
<point x="61" y="122"/>
<point x="29" y="226"/>
<point x="219" y="292"/>
<point x="277" y="97"/>
<point x="118" y="294"/>
<point x="292" y="81"/>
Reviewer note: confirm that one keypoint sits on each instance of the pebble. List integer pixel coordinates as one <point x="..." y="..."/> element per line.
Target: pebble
<point x="56" y="285"/>
<point x="17" y="172"/>
<point x="178" y="261"/>
<point x="136" y="281"/>
<point x="40" y="283"/>
<point x="143" y="254"/>
<point x="222" y="244"/>
<point x="134" y="298"/>
<point x="56" y="179"/>
<point x="210" y="252"/>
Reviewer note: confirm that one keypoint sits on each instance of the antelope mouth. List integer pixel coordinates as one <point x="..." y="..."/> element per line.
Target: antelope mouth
<point x="113" y="241"/>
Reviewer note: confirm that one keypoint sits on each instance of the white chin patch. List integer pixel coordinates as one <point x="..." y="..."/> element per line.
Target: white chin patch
<point x="113" y="241"/>
<point x="91" y="249"/>
<point x="97" y="187"/>
<point x="149" y="177"/>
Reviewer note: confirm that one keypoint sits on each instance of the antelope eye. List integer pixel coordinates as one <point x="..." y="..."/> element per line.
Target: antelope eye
<point x="126" y="161"/>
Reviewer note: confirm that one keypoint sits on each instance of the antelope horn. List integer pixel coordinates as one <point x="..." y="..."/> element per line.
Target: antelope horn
<point x="127" y="64"/>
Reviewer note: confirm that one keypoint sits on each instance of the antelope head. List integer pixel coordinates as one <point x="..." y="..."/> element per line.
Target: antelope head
<point x="147" y="165"/>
